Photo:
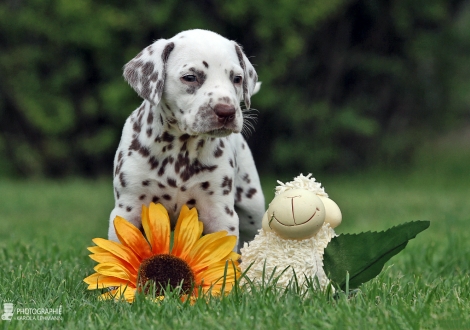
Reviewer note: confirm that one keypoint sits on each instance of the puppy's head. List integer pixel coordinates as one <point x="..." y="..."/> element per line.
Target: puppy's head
<point x="198" y="78"/>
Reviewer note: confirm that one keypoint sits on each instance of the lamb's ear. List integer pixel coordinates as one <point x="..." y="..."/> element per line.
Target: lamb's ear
<point x="146" y="72"/>
<point x="250" y="85"/>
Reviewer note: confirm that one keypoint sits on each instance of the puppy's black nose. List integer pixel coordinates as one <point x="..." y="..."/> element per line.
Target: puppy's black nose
<point x="225" y="113"/>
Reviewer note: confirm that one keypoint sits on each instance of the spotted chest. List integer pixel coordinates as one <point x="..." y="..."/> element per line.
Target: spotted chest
<point x="178" y="169"/>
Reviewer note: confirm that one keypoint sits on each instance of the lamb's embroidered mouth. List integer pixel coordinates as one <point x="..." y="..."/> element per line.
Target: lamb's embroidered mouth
<point x="295" y="223"/>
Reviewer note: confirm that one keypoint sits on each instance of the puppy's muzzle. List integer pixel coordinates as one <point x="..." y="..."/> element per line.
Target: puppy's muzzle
<point x="225" y="113"/>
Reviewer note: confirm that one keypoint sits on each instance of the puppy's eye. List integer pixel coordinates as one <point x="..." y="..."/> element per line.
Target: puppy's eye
<point x="237" y="80"/>
<point x="189" y="78"/>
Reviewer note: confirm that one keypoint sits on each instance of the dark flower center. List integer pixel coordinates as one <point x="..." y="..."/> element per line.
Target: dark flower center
<point x="164" y="270"/>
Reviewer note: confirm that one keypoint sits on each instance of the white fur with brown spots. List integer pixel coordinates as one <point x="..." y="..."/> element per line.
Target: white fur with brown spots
<point x="183" y="145"/>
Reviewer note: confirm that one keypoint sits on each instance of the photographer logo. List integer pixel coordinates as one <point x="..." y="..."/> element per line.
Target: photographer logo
<point x="31" y="314"/>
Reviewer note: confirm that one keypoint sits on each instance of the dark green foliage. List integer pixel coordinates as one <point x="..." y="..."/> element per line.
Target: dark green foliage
<point x="364" y="255"/>
<point x="345" y="82"/>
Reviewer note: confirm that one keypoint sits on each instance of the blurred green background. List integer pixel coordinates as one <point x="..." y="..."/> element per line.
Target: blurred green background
<point x="347" y="84"/>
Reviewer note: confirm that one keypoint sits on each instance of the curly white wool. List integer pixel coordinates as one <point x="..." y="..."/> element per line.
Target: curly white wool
<point x="302" y="182"/>
<point x="270" y="254"/>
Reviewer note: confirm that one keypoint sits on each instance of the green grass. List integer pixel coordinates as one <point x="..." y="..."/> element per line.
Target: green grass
<point x="46" y="226"/>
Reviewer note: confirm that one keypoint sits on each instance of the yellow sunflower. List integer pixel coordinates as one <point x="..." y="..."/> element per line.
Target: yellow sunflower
<point x="194" y="262"/>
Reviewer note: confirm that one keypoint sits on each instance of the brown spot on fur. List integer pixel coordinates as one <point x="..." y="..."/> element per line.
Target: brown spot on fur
<point x="153" y="161"/>
<point x="251" y="192"/>
<point x="150" y="118"/>
<point x="122" y="180"/>
<point x="200" y="144"/>
<point x="137" y="146"/>
<point x="153" y="77"/>
<point x="184" y="137"/>
<point x="148" y="68"/>
<point x="137" y="127"/>
<point x="166" y="51"/>
<point x="246" y="178"/>
<point x="227" y="184"/>
<point x="188" y="170"/>
<point x="161" y="171"/>
<point x="218" y="152"/>
<point x="167" y="137"/>
<point x="228" y="211"/>
<point x="239" y="194"/>
<point x="205" y="185"/>
<point x="159" y="88"/>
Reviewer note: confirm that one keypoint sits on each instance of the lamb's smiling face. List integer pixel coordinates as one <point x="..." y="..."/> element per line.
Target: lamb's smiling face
<point x="299" y="214"/>
<point x="295" y="214"/>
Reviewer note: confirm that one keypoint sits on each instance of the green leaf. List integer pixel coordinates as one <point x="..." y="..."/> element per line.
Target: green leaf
<point x="364" y="255"/>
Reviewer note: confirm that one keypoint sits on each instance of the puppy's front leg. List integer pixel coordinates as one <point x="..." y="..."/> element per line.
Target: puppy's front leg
<point x="127" y="207"/>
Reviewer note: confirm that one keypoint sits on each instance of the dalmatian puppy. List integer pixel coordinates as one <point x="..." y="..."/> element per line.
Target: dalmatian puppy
<point x="184" y="145"/>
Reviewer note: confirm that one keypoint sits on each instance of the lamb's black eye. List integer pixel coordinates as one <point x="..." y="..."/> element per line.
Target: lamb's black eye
<point x="189" y="78"/>
<point x="237" y="80"/>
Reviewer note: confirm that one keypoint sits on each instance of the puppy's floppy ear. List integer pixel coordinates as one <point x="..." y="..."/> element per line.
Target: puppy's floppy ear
<point x="147" y="71"/>
<point x="250" y="85"/>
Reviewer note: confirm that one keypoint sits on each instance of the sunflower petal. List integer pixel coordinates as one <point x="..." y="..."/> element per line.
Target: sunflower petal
<point x="205" y="240"/>
<point x="213" y="249"/>
<point x="233" y="259"/>
<point x="186" y="232"/>
<point x="115" y="270"/>
<point x="96" y="249"/>
<point x="109" y="257"/>
<point x="216" y="278"/>
<point x="156" y="223"/>
<point x="119" y="250"/>
<point x="215" y="273"/>
<point x="131" y="237"/>
<point x="93" y="278"/>
<point x="98" y="281"/>
<point x="201" y="228"/>
<point x="233" y="256"/>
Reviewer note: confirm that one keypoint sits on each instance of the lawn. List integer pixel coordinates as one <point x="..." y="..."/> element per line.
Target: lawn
<point x="45" y="227"/>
